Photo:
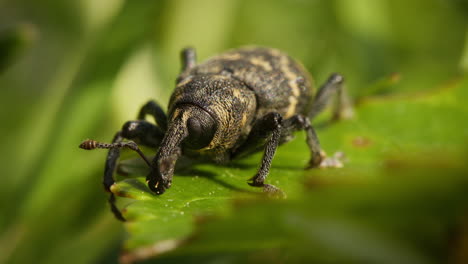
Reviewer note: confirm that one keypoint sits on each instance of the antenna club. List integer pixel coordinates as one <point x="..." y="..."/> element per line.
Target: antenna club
<point x="88" y="144"/>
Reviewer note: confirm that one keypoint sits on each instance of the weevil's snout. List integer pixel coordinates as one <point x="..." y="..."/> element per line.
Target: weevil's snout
<point x="160" y="177"/>
<point x="191" y="126"/>
<point x="162" y="168"/>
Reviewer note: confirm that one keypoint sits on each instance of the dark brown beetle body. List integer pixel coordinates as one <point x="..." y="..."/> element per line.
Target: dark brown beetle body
<point x="240" y="86"/>
<point x="233" y="104"/>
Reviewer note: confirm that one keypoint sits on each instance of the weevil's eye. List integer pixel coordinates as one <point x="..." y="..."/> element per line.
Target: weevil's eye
<point x="194" y="127"/>
<point x="201" y="130"/>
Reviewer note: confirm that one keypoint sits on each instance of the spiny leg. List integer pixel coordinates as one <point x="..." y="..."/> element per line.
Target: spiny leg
<point x="334" y="84"/>
<point x="154" y="109"/>
<point x="268" y="127"/>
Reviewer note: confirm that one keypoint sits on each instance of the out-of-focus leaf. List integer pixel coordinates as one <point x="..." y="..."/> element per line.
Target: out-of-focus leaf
<point x="13" y="41"/>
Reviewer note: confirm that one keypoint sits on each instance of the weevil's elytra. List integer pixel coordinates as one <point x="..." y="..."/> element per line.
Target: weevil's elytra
<point x="272" y="75"/>
<point x="233" y="104"/>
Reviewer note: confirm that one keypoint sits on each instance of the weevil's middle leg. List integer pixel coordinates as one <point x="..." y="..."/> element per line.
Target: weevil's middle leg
<point x="155" y="110"/>
<point x="318" y="156"/>
<point x="143" y="132"/>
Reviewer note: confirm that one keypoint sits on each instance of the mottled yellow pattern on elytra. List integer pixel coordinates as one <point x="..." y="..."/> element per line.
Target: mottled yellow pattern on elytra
<point x="290" y="75"/>
<point x="236" y="92"/>
<point x="275" y="52"/>
<point x="185" y="81"/>
<point x="258" y="61"/>
<point x="230" y="56"/>
<point x="244" y="119"/>
<point x="292" y="107"/>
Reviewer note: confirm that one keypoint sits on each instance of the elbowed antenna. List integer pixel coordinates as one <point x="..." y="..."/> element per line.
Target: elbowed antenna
<point x="90" y="144"/>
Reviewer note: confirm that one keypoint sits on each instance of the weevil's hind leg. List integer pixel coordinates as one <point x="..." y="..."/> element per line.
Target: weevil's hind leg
<point x="114" y="208"/>
<point x="334" y="84"/>
<point x="155" y="110"/>
<point x="318" y="156"/>
<point x="188" y="58"/>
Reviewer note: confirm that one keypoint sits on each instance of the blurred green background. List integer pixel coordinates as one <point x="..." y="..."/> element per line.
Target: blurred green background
<point x="70" y="70"/>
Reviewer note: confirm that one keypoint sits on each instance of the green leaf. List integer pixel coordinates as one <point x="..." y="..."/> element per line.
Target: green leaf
<point x="419" y="132"/>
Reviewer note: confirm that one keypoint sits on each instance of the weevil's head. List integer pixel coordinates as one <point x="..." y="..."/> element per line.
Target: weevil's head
<point x="228" y="105"/>
<point x="207" y="113"/>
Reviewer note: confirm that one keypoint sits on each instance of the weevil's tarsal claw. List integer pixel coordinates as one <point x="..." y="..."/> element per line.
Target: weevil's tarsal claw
<point x="336" y="161"/>
<point x="317" y="159"/>
<point x="273" y="191"/>
<point x="255" y="182"/>
<point x="268" y="189"/>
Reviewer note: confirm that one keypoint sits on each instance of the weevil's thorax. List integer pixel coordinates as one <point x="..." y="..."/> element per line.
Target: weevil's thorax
<point x="228" y="101"/>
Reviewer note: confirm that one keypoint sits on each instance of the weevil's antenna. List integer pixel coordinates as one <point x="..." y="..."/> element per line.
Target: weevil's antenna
<point x="90" y="144"/>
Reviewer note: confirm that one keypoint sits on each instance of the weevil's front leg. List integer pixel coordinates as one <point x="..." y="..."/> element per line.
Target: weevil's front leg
<point x="334" y="84"/>
<point x="155" y="110"/>
<point x="108" y="180"/>
<point x="111" y="162"/>
<point x="142" y="131"/>
<point x="269" y="127"/>
<point x="318" y="156"/>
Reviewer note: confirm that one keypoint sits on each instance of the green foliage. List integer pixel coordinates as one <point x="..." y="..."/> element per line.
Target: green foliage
<point x="12" y="42"/>
<point x="390" y="204"/>
<point x="70" y="70"/>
